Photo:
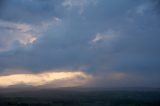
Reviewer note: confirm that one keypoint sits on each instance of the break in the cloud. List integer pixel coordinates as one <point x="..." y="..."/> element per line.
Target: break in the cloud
<point x="16" y="34"/>
<point x="47" y="79"/>
<point x="115" y="41"/>
<point x="12" y="33"/>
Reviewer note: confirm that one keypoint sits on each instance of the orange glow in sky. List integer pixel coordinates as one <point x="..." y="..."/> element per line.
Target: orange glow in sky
<point x="44" y="78"/>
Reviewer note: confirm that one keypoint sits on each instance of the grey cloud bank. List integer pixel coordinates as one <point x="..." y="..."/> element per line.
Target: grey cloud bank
<point x="116" y="41"/>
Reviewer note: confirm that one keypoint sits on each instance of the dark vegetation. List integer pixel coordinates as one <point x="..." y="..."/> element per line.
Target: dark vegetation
<point x="80" y="98"/>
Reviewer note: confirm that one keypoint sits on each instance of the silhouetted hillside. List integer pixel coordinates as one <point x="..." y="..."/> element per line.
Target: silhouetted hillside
<point x="79" y="97"/>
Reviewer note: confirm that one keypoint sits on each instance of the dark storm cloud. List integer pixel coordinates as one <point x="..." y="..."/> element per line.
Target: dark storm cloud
<point x="30" y="11"/>
<point x="116" y="40"/>
<point x="156" y="4"/>
<point x="2" y="4"/>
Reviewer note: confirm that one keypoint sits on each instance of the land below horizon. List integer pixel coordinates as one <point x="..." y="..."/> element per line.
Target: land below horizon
<point x="80" y="97"/>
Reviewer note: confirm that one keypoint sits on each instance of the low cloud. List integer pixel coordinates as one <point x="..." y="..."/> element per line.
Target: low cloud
<point x="46" y="79"/>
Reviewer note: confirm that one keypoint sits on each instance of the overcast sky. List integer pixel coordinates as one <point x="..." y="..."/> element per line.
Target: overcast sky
<point x="116" y="42"/>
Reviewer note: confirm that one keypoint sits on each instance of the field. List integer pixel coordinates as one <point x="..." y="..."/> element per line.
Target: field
<point x="80" y="98"/>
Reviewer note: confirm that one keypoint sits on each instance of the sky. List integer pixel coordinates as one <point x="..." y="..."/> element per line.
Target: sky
<point x="91" y="43"/>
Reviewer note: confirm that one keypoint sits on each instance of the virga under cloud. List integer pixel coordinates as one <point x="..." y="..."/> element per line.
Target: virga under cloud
<point x="114" y="41"/>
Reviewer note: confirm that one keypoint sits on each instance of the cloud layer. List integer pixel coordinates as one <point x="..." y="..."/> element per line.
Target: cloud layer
<point x="117" y="42"/>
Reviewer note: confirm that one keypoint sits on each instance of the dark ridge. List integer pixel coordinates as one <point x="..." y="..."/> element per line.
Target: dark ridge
<point x="79" y="97"/>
